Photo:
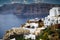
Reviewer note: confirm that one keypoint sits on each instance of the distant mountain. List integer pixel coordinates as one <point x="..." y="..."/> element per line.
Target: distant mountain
<point x="27" y="10"/>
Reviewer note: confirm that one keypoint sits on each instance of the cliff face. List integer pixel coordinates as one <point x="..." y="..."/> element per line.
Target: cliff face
<point x="12" y="33"/>
<point x="27" y="10"/>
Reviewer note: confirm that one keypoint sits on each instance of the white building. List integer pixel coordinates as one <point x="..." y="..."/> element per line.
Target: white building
<point x="32" y="28"/>
<point x="53" y="17"/>
<point x="33" y="37"/>
<point x="55" y="11"/>
<point x="13" y="39"/>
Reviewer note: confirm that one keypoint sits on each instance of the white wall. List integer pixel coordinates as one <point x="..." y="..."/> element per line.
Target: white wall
<point x="55" y="11"/>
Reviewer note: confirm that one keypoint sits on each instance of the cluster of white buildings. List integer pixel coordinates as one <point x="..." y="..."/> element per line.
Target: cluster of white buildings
<point x="32" y="28"/>
<point x="51" y="19"/>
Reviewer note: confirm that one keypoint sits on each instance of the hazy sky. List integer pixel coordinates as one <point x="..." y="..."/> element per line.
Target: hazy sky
<point x="29" y="1"/>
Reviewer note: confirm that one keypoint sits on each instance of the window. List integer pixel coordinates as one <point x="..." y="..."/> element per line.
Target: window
<point x="52" y="20"/>
<point x="48" y="19"/>
<point x="33" y="27"/>
<point x="28" y="26"/>
<point x="59" y="10"/>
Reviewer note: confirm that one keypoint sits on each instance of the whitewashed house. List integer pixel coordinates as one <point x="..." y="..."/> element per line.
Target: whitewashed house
<point x="32" y="28"/>
<point x="13" y="39"/>
<point x="55" y="11"/>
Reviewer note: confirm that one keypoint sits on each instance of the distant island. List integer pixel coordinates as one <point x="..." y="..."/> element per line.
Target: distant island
<point x="27" y="10"/>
